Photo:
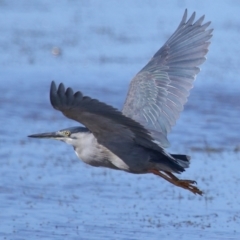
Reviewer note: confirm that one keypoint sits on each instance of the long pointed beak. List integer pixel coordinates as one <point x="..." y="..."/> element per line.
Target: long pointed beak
<point x="52" y="135"/>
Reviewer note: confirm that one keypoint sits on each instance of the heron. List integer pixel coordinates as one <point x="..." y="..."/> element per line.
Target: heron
<point x="134" y="140"/>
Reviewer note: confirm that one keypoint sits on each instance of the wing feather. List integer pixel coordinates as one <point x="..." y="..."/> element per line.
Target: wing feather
<point x="109" y="126"/>
<point x="159" y="91"/>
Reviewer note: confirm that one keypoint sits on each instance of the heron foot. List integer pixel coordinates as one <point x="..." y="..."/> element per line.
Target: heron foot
<point x="186" y="184"/>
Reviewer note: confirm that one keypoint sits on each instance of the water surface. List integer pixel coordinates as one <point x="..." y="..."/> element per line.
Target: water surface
<point x="97" y="47"/>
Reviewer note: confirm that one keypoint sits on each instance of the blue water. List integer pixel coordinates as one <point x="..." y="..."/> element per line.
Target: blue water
<point x="97" y="47"/>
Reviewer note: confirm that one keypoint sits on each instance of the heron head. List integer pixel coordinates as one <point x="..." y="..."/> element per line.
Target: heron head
<point x="68" y="135"/>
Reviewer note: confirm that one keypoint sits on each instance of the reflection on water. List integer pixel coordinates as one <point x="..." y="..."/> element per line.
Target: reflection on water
<point x="46" y="192"/>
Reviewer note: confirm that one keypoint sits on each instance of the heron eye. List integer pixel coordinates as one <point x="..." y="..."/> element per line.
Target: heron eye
<point x="67" y="133"/>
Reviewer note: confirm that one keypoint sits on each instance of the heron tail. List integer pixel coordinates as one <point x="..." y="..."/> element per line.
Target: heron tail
<point x="170" y="162"/>
<point x="182" y="160"/>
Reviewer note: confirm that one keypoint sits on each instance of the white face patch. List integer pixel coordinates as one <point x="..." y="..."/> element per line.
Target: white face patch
<point x="84" y="147"/>
<point x="68" y="141"/>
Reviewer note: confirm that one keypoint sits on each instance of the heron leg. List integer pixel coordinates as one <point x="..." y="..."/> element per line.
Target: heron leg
<point x="186" y="184"/>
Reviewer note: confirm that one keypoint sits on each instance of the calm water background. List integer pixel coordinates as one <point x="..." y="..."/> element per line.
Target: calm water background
<point x="45" y="191"/>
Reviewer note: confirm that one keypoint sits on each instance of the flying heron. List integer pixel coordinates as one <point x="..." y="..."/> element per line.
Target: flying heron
<point x="134" y="139"/>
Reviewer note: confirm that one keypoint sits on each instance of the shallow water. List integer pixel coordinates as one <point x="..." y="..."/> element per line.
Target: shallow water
<point x="46" y="192"/>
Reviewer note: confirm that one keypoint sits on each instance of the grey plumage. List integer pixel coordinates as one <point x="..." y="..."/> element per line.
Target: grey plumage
<point x="134" y="140"/>
<point x="158" y="92"/>
<point x="112" y="129"/>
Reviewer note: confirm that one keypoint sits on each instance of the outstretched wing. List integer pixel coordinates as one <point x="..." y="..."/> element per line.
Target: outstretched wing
<point x="111" y="128"/>
<point x="158" y="92"/>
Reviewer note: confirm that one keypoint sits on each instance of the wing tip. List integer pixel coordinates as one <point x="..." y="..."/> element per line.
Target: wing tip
<point x="188" y="21"/>
<point x="53" y="91"/>
<point x="57" y="95"/>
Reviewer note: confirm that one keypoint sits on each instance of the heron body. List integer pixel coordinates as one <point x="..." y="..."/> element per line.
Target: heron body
<point x="135" y="139"/>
